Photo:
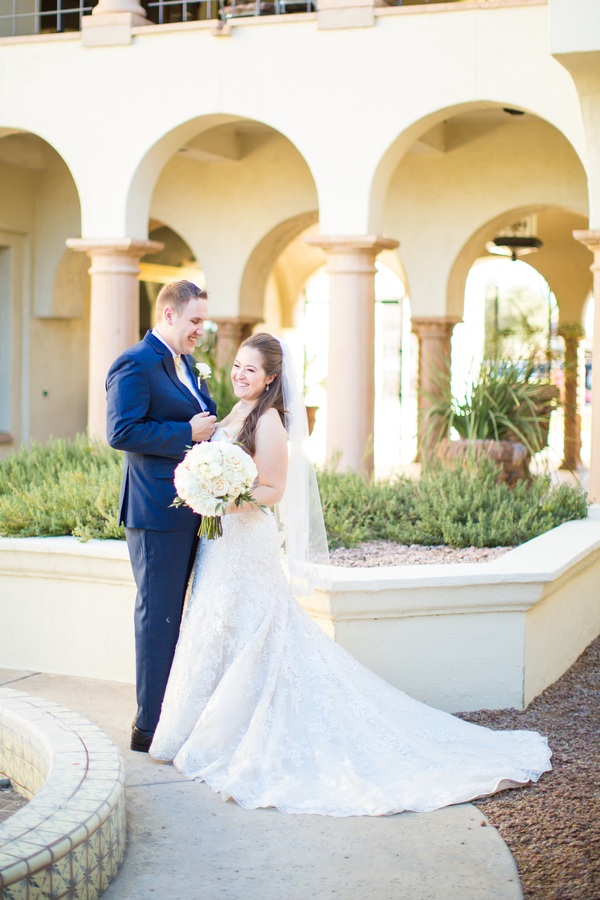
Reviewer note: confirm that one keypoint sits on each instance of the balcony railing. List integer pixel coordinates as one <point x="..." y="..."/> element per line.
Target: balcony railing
<point x="23" y="17"/>
<point x="19" y="17"/>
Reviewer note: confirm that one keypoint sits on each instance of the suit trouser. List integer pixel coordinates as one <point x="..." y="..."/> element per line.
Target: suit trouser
<point x="161" y="562"/>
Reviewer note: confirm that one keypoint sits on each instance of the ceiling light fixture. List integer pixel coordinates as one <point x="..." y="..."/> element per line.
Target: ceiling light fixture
<point x="517" y="240"/>
<point x="514" y="246"/>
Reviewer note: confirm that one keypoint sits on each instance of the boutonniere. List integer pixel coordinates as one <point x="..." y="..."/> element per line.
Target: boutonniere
<point x="204" y="372"/>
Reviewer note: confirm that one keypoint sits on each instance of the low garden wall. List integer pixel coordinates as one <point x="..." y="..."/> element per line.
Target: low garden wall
<point x="460" y="636"/>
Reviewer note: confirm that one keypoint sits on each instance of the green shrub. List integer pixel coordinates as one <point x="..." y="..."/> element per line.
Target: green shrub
<point x="457" y="507"/>
<point x="72" y="487"/>
<point x="357" y="510"/>
<point x="469" y="508"/>
<point x="62" y="487"/>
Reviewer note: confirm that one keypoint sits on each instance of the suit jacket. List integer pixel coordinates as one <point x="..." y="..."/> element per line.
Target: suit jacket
<point x="148" y="415"/>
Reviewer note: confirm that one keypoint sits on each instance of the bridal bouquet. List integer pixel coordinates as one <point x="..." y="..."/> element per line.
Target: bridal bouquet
<point x="210" y="476"/>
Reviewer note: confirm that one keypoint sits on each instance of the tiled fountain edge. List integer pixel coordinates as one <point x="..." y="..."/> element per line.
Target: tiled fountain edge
<point x="71" y="836"/>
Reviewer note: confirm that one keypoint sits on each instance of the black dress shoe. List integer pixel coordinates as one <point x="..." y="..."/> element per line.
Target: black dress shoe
<point x="141" y="740"/>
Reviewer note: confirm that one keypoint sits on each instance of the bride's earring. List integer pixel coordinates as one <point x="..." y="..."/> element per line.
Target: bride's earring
<point x="267" y="388"/>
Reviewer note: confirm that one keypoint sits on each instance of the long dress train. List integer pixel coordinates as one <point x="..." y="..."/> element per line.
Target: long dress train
<point x="265" y="708"/>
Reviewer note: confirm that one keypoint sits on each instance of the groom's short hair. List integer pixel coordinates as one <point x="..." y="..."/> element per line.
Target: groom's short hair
<point x="177" y="295"/>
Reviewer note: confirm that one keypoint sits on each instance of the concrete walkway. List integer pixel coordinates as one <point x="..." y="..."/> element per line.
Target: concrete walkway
<point x="185" y="843"/>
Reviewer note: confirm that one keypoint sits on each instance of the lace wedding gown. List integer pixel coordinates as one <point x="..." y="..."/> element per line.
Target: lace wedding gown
<point x="265" y="708"/>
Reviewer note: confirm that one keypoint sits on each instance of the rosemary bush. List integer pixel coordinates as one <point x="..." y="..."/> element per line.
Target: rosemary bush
<point x="458" y="507"/>
<point x="72" y="487"/>
<point x="62" y="487"/>
<point x="470" y="508"/>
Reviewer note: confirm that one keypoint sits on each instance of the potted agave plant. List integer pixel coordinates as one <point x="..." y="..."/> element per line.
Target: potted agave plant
<point x="505" y="416"/>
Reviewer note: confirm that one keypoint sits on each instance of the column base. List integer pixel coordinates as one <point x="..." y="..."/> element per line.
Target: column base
<point x="111" y="29"/>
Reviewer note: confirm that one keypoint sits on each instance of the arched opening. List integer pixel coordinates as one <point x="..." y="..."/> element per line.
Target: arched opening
<point x="176" y="261"/>
<point x="464" y="166"/>
<point x="43" y="295"/>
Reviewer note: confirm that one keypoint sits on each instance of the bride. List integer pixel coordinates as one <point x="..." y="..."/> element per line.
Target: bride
<point x="261" y="704"/>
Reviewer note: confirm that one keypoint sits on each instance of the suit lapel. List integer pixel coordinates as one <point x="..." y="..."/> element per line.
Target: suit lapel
<point x="202" y="388"/>
<point x="170" y="370"/>
<point x="189" y="362"/>
<point x="169" y="364"/>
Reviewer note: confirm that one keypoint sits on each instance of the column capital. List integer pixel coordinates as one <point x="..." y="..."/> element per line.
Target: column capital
<point x="232" y="331"/>
<point x="114" y="246"/>
<point x="370" y="243"/>
<point x="235" y="323"/>
<point x="591" y="239"/>
<point x="571" y="331"/>
<point x="433" y="327"/>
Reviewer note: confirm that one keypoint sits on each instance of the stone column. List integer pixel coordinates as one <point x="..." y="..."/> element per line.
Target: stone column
<point x="571" y="334"/>
<point x="591" y="239"/>
<point x="434" y="334"/>
<point x="114" y="312"/>
<point x="232" y="331"/>
<point x="351" y="375"/>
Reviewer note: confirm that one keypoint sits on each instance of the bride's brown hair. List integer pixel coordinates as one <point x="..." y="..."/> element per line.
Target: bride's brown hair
<point x="272" y="396"/>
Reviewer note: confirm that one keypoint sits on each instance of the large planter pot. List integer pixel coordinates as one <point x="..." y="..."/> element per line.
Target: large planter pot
<point x="511" y="457"/>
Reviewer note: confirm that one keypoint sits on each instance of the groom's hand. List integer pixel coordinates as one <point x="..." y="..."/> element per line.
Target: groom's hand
<point x="203" y="426"/>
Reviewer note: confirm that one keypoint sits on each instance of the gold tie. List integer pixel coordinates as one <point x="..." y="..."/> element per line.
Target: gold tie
<point x="179" y="370"/>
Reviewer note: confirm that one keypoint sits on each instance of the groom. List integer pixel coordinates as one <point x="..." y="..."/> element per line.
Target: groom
<point x="157" y="408"/>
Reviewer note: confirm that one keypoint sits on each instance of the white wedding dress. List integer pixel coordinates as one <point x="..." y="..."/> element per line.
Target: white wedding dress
<point x="265" y="708"/>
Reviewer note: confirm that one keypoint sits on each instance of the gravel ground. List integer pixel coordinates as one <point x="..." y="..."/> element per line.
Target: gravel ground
<point x="553" y="827"/>
<point x="385" y="553"/>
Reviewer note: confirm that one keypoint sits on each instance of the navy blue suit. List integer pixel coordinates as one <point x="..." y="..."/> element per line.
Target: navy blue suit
<point x="148" y="416"/>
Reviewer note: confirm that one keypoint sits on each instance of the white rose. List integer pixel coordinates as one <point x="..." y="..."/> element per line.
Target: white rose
<point x="215" y="470"/>
<point x="208" y="507"/>
<point x="182" y="481"/>
<point x="220" y="487"/>
<point x="234" y="463"/>
<point x="236" y="488"/>
<point x="204" y="371"/>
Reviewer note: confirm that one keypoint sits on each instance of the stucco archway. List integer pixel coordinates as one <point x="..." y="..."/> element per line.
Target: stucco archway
<point x="43" y="298"/>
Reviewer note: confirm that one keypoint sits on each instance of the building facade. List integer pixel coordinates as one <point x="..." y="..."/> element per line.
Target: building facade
<point x="248" y="150"/>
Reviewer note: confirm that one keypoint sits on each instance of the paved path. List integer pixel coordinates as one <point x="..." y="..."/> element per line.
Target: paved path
<point x="184" y="843"/>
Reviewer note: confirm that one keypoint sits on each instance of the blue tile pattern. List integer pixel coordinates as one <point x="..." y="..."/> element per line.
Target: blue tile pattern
<point x="69" y="841"/>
